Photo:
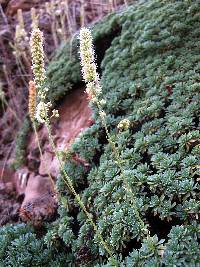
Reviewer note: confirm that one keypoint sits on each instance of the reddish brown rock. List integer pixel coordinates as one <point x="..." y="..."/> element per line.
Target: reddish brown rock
<point x="40" y="201"/>
<point x="49" y="164"/>
<point x="9" y="204"/>
<point x="6" y="173"/>
<point x="13" y="182"/>
<point x="75" y="116"/>
<point x="32" y="181"/>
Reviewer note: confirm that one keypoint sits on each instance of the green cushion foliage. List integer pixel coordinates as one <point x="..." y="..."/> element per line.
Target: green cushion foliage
<point x="21" y="246"/>
<point x="150" y="75"/>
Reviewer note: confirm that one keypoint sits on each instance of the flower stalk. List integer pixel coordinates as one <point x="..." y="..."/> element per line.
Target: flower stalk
<point x="32" y="115"/>
<point x="32" y="100"/>
<point x="42" y="116"/>
<point x="37" y="53"/>
<point x="94" y="91"/>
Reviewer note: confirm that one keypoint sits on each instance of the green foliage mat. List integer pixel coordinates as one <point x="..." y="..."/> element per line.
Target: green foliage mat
<point x="150" y="64"/>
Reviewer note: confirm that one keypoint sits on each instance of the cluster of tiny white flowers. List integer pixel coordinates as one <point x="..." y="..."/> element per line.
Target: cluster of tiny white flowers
<point x="124" y="125"/>
<point x="87" y="55"/>
<point x="41" y="111"/>
<point x="102" y="114"/>
<point x="55" y="113"/>
<point x="89" y="69"/>
<point x="37" y="52"/>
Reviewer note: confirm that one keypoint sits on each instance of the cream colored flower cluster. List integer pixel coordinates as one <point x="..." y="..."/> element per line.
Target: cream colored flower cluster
<point x="42" y="110"/>
<point x="32" y="101"/>
<point x="37" y="53"/>
<point x="124" y="125"/>
<point x="91" y="77"/>
<point x="89" y="69"/>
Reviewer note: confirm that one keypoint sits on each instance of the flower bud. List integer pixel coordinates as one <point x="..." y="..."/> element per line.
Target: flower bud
<point x="123" y="125"/>
<point x="32" y="100"/>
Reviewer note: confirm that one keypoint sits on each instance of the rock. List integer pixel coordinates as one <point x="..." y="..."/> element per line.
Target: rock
<point x="6" y="173"/>
<point x="33" y="159"/>
<point x="9" y="210"/>
<point x="11" y="182"/>
<point x="40" y="202"/>
<point x="9" y="206"/>
<point x="49" y="164"/>
<point x="75" y="116"/>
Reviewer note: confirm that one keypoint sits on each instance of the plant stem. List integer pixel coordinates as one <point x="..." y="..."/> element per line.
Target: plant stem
<point x="122" y="173"/>
<point x="76" y="195"/>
